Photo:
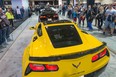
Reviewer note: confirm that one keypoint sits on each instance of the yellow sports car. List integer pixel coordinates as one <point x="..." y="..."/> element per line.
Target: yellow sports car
<point x="61" y="49"/>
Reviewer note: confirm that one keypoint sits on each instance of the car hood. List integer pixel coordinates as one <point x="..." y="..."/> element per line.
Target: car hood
<point x="44" y="48"/>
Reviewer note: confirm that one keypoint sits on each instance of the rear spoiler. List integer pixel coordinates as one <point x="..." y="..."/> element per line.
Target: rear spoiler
<point x="68" y="56"/>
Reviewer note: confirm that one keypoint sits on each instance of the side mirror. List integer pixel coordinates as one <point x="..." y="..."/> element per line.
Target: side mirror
<point x="32" y="28"/>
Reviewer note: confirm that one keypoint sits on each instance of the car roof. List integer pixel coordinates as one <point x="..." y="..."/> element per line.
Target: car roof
<point x="56" y="22"/>
<point x="48" y="11"/>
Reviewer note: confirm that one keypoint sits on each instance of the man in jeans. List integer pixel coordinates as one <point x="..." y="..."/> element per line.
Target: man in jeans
<point x="18" y="13"/>
<point x="1" y="30"/>
<point x="110" y="14"/>
<point x="4" y="27"/>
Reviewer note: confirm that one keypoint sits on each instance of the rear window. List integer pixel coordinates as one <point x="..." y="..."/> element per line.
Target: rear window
<point x="63" y="36"/>
<point x="48" y="12"/>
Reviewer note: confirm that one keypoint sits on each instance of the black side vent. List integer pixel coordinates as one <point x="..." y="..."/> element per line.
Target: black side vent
<point x="35" y="38"/>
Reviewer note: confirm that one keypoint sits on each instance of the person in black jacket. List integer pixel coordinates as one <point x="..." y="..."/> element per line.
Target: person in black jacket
<point x="4" y="28"/>
<point x="2" y="25"/>
<point x="90" y="17"/>
<point x="63" y="10"/>
<point x="95" y="9"/>
<point x="100" y="17"/>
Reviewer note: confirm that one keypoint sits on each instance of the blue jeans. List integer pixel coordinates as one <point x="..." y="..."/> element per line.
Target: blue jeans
<point x="4" y="34"/>
<point x="19" y="16"/>
<point x="90" y="25"/>
<point x="63" y="13"/>
<point x="0" y="36"/>
<point x="22" y="15"/>
<point x="7" y="32"/>
<point x="110" y="24"/>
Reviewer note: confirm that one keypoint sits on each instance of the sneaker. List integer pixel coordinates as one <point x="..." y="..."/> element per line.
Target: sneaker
<point x="90" y="29"/>
<point x="5" y="43"/>
<point x="2" y="46"/>
<point x="13" y="27"/>
<point x="9" y="39"/>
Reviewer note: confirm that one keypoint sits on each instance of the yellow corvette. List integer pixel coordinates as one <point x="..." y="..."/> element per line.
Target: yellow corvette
<point x="61" y="49"/>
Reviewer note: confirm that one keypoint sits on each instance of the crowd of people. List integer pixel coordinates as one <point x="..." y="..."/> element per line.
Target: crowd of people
<point x="7" y="23"/>
<point x="103" y="16"/>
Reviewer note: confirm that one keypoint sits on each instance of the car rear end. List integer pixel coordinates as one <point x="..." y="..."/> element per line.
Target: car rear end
<point x="68" y="65"/>
<point x="48" y="15"/>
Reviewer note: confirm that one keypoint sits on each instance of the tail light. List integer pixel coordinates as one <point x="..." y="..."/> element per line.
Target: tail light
<point x="51" y="67"/>
<point x="103" y="53"/>
<point x="36" y="67"/>
<point x="55" y="15"/>
<point x="94" y="58"/>
<point x="42" y="16"/>
<point x="40" y="68"/>
<point x="100" y="55"/>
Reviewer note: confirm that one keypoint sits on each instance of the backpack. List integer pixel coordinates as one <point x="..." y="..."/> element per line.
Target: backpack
<point x="109" y="18"/>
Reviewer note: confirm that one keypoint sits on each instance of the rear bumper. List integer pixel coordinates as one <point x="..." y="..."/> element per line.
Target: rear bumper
<point x="101" y="69"/>
<point x="97" y="72"/>
<point x="89" y="73"/>
<point x="86" y="68"/>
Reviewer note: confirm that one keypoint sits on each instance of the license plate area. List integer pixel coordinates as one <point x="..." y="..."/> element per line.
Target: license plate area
<point x="49" y="19"/>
